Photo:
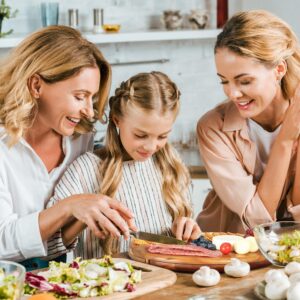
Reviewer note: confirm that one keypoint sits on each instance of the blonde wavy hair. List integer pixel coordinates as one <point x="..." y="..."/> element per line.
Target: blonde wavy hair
<point x="266" y="38"/>
<point x="55" y="53"/>
<point x="152" y="92"/>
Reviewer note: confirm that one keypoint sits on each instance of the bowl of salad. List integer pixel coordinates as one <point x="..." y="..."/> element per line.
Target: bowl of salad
<point x="12" y="276"/>
<point x="279" y="242"/>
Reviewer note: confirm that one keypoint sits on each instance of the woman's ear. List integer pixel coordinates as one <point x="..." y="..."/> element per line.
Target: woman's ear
<point x="34" y="85"/>
<point x="116" y="121"/>
<point x="281" y="69"/>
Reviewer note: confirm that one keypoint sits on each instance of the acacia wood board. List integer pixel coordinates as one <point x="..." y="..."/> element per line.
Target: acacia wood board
<point x="192" y="263"/>
<point x="153" y="278"/>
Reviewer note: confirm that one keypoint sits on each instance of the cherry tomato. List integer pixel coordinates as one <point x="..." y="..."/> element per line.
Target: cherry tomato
<point x="226" y="248"/>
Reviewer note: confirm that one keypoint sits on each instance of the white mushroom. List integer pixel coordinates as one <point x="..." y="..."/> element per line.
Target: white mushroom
<point x="273" y="275"/>
<point x="206" y="276"/>
<point x="277" y="289"/>
<point x="292" y="267"/>
<point x="295" y="277"/>
<point x="293" y="293"/>
<point x="237" y="268"/>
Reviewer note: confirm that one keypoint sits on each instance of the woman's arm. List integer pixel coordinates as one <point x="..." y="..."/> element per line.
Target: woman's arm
<point x="272" y="182"/>
<point x="90" y="209"/>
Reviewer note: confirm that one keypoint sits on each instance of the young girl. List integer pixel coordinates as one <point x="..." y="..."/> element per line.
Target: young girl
<point x="250" y="144"/>
<point x="137" y="167"/>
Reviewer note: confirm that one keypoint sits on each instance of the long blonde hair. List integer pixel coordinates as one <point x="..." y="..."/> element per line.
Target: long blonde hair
<point x="149" y="91"/>
<point x="266" y="38"/>
<point x="55" y="53"/>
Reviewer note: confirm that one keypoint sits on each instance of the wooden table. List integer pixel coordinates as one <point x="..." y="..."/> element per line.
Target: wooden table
<point x="228" y="288"/>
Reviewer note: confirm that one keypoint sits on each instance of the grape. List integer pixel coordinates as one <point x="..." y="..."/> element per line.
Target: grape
<point x="249" y="232"/>
<point x="203" y="242"/>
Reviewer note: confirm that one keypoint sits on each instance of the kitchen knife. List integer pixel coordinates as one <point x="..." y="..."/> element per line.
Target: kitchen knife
<point x="152" y="237"/>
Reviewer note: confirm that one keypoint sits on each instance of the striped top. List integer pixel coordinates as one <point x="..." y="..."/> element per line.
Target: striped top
<point x="140" y="190"/>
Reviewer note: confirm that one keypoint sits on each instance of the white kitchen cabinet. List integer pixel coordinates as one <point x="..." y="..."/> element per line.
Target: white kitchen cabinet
<point x="201" y="187"/>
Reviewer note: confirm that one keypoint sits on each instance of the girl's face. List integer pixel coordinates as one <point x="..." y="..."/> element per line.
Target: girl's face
<point x="143" y="133"/>
<point x="249" y="84"/>
<point x="63" y="104"/>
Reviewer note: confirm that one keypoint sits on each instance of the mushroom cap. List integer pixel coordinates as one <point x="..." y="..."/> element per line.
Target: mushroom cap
<point x="292" y="267"/>
<point x="293" y="292"/>
<point x="295" y="277"/>
<point x="277" y="289"/>
<point x="206" y="276"/>
<point x="273" y="274"/>
<point x="237" y="268"/>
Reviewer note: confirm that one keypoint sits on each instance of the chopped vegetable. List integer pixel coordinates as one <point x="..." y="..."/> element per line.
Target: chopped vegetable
<point x="86" y="278"/>
<point x="287" y="248"/>
<point x="8" y="286"/>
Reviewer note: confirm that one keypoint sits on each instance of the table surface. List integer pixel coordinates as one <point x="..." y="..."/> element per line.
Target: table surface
<point x="228" y="288"/>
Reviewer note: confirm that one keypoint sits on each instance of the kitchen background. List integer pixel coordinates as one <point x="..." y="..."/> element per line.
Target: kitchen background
<point x="187" y="57"/>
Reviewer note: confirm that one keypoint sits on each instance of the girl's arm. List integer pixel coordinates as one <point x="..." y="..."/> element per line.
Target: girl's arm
<point x="296" y="186"/>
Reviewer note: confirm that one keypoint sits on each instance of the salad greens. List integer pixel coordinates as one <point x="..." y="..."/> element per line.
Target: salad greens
<point x="287" y="248"/>
<point x="8" y="286"/>
<point x="84" y="278"/>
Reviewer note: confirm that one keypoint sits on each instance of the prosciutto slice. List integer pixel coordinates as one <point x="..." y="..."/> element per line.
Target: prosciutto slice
<point x="186" y="250"/>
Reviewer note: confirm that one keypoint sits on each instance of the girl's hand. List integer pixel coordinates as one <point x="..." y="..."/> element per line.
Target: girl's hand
<point x="291" y="124"/>
<point x="185" y="229"/>
<point x="102" y="214"/>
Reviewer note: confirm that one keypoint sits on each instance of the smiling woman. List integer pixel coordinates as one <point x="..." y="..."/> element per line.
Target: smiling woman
<point x="52" y="87"/>
<point x="250" y="143"/>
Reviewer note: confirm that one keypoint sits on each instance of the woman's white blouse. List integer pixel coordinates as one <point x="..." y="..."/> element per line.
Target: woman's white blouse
<point x="25" y="188"/>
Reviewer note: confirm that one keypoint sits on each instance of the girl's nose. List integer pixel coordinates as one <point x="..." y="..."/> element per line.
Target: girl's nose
<point x="150" y="146"/>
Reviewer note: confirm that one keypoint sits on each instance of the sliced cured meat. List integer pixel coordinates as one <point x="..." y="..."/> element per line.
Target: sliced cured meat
<point x="186" y="250"/>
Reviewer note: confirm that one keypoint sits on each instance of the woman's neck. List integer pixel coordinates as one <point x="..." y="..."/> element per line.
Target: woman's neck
<point x="273" y="115"/>
<point x="37" y="135"/>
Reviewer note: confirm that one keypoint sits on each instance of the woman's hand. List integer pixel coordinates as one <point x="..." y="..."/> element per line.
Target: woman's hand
<point x="102" y="214"/>
<point x="185" y="229"/>
<point x="291" y="124"/>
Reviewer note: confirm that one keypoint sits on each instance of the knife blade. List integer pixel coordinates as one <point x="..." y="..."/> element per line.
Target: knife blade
<point x="158" y="238"/>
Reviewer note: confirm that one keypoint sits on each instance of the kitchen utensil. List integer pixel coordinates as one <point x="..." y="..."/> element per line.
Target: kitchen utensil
<point x="152" y="237"/>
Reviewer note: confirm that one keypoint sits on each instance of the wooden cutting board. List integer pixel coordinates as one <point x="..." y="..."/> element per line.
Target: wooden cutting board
<point x="153" y="278"/>
<point x="192" y="263"/>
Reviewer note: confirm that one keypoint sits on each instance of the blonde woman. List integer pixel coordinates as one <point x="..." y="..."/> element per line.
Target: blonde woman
<point x="137" y="167"/>
<point x="51" y="87"/>
<point x="250" y="143"/>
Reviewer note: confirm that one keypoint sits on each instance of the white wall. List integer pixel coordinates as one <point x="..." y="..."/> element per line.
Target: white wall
<point x="288" y="10"/>
<point x="191" y="63"/>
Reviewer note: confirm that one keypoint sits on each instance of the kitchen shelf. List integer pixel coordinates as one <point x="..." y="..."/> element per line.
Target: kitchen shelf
<point x="125" y="37"/>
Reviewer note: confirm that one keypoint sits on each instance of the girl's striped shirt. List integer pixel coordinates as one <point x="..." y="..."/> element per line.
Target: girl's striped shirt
<point x="140" y="190"/>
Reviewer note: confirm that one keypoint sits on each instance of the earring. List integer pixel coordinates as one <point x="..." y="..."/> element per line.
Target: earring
<point x="118" y="130"/>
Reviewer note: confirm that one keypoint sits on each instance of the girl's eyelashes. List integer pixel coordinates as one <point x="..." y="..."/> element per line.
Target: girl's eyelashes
<point x="145" y="136"/>
<point x="223" y="82"/>
<point x="140" y="136"/>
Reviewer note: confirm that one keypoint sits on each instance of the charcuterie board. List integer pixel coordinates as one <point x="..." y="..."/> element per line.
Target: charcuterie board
<point x="139" y="252"/>
<point x="153" y="278"/>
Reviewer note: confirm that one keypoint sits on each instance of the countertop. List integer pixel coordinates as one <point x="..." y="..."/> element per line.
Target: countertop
<point x="228" y="288"/>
